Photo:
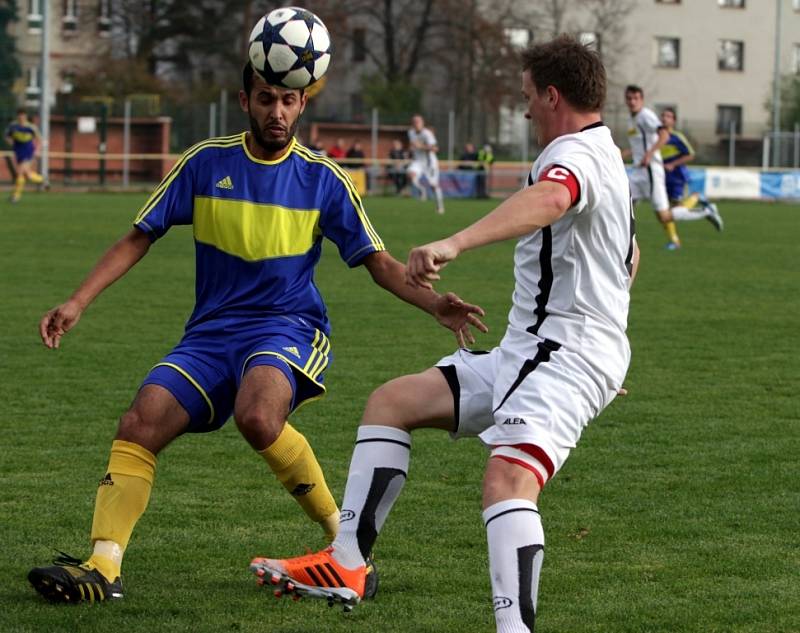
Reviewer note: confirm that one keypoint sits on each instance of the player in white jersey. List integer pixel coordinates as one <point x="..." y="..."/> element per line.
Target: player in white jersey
<point x="424" y="162"/>
<point x="561" y="362"/>
<point x="646" y="136"/>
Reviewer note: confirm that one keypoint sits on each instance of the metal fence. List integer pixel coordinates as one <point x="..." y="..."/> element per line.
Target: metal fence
<point x="100" y="164"/>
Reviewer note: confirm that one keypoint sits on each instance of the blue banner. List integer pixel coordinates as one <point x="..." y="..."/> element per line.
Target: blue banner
<point x="455" y="184"/>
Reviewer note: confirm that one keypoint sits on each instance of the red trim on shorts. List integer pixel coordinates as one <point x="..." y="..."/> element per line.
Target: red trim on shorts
<point x="526" y="465"/>
<point x="538" y="453"/>
<point x="562" y="175"/>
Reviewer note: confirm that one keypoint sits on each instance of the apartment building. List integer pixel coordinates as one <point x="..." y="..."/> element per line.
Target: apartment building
<point x="712" y="60"/>
<point x="80" y="32"/>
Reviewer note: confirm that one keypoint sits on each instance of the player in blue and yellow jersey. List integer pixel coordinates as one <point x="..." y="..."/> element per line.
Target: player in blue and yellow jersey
<point x="256" y="345"/>
<point x="24" y="138"/>
<point x="677" y="152"/>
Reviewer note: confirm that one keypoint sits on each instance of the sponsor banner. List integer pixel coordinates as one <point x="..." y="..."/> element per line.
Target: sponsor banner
<point x="780" y="185"/>
<point x="743" y="184"/>
<point x="454" y="184"/>
<point x="459" y="184"/>
<point x="697" y="180"/>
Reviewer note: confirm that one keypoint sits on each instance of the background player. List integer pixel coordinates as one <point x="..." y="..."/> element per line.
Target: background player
<point x="646" y="136"/>
<point x="424" y="163"/>
<point x="24" y="138"/>
<point x="256" y="344"/>
<point x="560" y="363"/>
<point x="677" y="152"/>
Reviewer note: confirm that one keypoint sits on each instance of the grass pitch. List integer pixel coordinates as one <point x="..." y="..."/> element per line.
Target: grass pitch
<point x="678" y="511"/>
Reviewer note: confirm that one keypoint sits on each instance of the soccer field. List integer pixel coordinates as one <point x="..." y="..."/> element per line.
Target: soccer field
<point x="678" y="512"/>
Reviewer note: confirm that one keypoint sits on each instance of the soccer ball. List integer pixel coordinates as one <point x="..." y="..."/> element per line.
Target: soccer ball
<point x="290" y="47"/>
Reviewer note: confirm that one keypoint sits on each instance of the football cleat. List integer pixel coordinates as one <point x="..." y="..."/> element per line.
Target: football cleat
<point x="371" y="581"/>
<point x="316" y="575"/>
<point x="71" y="580"/>
<point x="672" y="246"/>
<point x="714" y="216"/>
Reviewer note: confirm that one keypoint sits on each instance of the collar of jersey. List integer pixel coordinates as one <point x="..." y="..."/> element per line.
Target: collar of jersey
<point x="292" y="143"/>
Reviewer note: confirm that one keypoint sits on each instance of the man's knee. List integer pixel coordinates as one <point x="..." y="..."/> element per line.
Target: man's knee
<point x="143" y="430"/>
<point x="509" y="479"/>
<point x="260" y="427"/>
<point x="154" y="419"/>
<point x="386" y="399"/>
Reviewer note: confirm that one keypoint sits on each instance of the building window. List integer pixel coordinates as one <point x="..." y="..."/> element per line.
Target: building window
<point x="796" y="5"/>
<point x="33" y="89"/>
<point x="359" y="45"/>
<point x="34" y="16"/>
<point x="104" y="18"/>
<point x="728" y="115"/>
<point x="590" y="39"/>
<point x="796" y="59"/>
<point x="730" y="55"/>
<point x="731" y="4"/>
<point x="69" y="19"/>
<point x="668" y="1"/>
<point x="668" y="52"/>
<point x="67" y="82"/>
<point x="517" y="37"/>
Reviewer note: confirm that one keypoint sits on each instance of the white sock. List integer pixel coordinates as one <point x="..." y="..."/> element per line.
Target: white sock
<point x="682" y="214"/>
<point x="516" y="550"/>
<point x="439" y="197"/>
<point x="378" y="470"/>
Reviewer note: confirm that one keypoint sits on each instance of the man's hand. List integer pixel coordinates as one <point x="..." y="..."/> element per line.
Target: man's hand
<point x="646" y="159"/>
<point x="457" y="315"/>
<point x="425" y="262"/>
<point x="58" y="322"/>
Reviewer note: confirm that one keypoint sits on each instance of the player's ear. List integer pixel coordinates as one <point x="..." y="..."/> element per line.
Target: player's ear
<point x="303" y="100"/>
<point x="244" y="101"/>
<point x="553" y="96"/>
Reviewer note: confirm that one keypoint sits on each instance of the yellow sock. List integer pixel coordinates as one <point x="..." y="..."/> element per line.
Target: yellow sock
<point x="19" y="186"/>
<point x="121" y="499"/>
<point x="35" y="178"/>
<point x="672" y="232"/>
<point x="291" y="459"/>
<point x="690" y="201"/>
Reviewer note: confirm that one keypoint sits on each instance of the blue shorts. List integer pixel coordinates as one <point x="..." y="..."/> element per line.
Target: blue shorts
<point x="676" y="185"/>
<point x="24" y="154"/>
<point x="204" y="371"/>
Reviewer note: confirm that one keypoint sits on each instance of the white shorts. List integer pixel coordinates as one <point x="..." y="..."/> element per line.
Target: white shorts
<point x="431" y="172"/>
<point x="542" y="397"/>
<point x="649" y="183"/>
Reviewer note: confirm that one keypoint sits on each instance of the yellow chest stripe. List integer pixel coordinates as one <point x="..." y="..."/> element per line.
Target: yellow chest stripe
<point x="254" y="231"/>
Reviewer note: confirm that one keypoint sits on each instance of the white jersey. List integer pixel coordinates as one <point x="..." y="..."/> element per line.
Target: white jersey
<point x="572" y="277"/>
<point x="424" y="158"/>
<point x="643" y="134"/>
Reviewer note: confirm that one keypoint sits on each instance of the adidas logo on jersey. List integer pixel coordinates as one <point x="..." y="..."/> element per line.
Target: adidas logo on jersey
<point x="225" y="183"/>
<point x="106" y="481"/>
<point x="292" y="350"/>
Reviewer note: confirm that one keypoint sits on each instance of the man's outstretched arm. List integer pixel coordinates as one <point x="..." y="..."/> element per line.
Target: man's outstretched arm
<point x="525" y="212"/>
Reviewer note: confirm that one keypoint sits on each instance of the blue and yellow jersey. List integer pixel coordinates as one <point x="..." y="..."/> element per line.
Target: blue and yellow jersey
<point x="676" y="147"/>
<point x="23" y="137"/>
<point x="258" y="227"/>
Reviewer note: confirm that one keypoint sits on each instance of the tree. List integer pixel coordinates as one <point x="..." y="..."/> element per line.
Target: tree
<point x="453" y="54"/>
<point x="790" y="102"/>
<point x="9" y="66"/>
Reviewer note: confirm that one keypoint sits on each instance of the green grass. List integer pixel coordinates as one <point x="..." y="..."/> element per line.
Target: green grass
<point x="678" y="512"/>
